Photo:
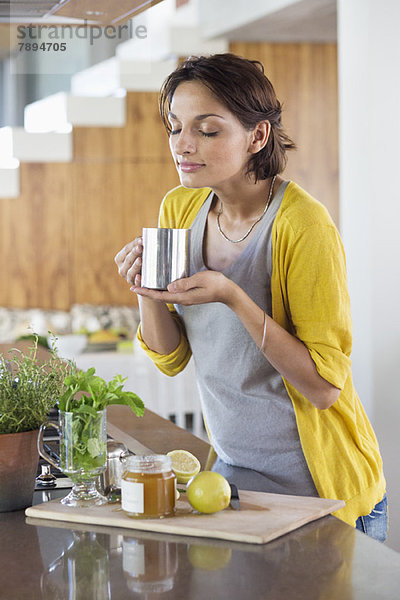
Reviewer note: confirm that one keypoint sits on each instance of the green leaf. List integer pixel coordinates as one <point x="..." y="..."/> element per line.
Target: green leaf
<point x="133" y="401"/>
<point x="93" y="447"/>
<point x="79" y="447"/>
<point x="86" y="409"/>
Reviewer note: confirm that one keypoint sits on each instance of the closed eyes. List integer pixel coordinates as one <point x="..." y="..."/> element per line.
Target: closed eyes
<point x="212" y="134"/>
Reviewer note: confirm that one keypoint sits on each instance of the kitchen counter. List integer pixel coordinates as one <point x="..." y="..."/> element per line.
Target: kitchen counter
<point x="326" y="559"/>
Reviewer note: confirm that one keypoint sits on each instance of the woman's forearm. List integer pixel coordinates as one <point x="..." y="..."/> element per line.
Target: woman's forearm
<point x="159" y="330"/>
<point x="286" y="353"/>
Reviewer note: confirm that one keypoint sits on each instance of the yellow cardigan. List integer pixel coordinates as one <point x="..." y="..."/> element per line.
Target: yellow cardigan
<point x="310" y="300"/>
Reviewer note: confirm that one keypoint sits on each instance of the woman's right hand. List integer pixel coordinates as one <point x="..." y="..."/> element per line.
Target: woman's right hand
<point x="158" y="328"/>
<point x="129" y="261"/>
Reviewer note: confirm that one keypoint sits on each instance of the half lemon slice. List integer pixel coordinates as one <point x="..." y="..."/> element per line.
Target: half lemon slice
<point x="184" y="464"/>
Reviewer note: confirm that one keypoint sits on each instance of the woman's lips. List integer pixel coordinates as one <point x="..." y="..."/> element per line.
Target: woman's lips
<point x="188" y="167"/>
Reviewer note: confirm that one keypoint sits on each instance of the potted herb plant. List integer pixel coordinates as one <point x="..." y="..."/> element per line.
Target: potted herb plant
<point x="82" y="428"/>
<point x="29" y="389"/>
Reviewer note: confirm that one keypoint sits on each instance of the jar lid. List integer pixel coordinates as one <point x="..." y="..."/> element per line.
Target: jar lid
<point x="151" y="463"/>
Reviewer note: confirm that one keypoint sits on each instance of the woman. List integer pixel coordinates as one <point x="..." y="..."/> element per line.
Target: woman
<point x="265" y="312"/>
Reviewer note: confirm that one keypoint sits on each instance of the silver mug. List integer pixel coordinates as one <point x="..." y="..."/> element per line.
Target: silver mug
<point x="165" y="256"/>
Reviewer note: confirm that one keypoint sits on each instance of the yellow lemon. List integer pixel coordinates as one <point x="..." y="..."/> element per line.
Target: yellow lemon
<point x="209" y="558"/>
<point x="209" y="492"/>
<point x="184" y="465"/>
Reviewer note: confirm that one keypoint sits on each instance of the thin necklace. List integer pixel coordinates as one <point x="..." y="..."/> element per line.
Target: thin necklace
<point x="255" y="222"/>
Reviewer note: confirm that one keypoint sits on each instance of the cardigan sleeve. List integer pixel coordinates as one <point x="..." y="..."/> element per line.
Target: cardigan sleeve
<point x="174" y="363"/>
<point x="318" y="300"/>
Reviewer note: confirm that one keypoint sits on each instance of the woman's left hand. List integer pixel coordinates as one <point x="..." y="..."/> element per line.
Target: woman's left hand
<point x="203" y="287"/>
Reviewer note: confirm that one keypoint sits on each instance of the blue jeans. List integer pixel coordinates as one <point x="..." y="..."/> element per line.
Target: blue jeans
<point x="375" y="524"/>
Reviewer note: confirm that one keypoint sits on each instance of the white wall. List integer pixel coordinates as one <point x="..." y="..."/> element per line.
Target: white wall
<point x="369" y="150"/>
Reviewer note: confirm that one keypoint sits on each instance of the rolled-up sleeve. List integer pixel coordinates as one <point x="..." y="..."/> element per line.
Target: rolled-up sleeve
<point x="174" y="363"/>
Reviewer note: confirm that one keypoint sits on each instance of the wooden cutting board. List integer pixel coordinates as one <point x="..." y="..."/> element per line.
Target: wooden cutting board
<point x="261" y="518"/>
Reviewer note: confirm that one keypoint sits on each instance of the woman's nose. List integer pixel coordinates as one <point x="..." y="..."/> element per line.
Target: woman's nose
<point x="183" y="143"/>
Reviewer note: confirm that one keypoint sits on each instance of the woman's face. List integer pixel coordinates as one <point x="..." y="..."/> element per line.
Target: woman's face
<point x="208" y="143"/>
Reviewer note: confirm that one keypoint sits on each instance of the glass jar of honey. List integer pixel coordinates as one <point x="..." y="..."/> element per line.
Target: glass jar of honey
<point x="148" y="486"/>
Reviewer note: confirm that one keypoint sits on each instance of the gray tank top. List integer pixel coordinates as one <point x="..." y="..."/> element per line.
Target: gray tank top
<point x="246" y="406"/>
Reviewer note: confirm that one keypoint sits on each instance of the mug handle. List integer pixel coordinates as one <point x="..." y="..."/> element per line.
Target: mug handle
<point x="40" y="443"/>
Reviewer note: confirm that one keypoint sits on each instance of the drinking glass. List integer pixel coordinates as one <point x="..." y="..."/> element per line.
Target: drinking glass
<point x="83" y="454"/>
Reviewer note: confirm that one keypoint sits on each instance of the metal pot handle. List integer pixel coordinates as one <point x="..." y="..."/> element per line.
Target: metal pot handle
<point x="125" y="454"/>
<point x="40" y="443"/>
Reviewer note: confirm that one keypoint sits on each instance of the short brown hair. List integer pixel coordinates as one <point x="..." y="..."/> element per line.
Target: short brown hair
<point x="241" y="85"/>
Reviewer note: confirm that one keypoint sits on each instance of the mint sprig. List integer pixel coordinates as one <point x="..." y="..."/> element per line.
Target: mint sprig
<point x="95" y="394"/>
<point x="84" y="395"/>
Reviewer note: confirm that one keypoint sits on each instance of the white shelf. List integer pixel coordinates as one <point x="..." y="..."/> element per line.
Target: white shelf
<point x="56" y="112"/>
<point x="145" y="76"/>
<point x="9" y="179"/>
<point x="42" y="147"/>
